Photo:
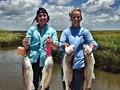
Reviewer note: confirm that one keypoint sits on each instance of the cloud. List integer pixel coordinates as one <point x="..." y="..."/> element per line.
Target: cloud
<point x="17" y="12"/>
<point x="59" y="16"/>
<point x="9" y="7"/>
<point x="27" y="3"/>
<point x="118" y="11"/>
<point x="20" y="14"/>
<point x="59" y="2"/>
<point x="100" y="12"/>
<point x="104" y="17"/>
<point x="96" y="5"/>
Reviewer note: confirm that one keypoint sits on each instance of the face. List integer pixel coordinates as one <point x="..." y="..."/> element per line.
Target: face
<point x="42" y="19"/>
<point x="76" y="19"/>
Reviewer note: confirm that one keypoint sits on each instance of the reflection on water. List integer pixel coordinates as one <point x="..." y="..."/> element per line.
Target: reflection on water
<point x="10" y="70"/>
<point x="11" y="76"/>
<point x="106" y="81"/>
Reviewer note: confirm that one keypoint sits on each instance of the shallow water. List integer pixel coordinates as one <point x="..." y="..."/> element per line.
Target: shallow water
<point x="11" y="75"/>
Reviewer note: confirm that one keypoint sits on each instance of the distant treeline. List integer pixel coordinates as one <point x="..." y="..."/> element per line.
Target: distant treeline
<point x="107" y="56"/>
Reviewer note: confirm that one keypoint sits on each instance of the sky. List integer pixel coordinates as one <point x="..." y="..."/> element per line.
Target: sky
<point x="97" y="14"/>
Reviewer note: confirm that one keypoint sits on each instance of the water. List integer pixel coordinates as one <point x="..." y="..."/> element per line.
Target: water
<point x="11" y="75"/>
<point x="106" y="81"/>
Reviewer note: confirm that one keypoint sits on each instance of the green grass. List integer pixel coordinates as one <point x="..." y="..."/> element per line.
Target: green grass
<point x="108" y="54"/>
<point x="9" y="39"/>
<point x="110" y="40"/>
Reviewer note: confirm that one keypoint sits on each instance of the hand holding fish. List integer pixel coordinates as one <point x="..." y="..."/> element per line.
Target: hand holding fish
<point x="25" y="43"/>
<point x="21" y="51"/>
<point x="65" y="45"/>
<point x="52" y="44"/>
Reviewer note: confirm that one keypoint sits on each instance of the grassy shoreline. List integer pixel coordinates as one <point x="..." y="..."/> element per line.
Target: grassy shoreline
<point x="10" y="39"/>
<point x="107" y="56"/>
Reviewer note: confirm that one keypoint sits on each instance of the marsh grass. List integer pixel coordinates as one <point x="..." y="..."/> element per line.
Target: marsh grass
<point x="10" y="39"/>
<point x="108" y="54"/>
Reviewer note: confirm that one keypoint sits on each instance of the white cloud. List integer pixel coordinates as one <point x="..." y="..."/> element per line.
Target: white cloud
<point x="17" y="6"/>
<point x="25" y="2"/>
<point x="19" y="14"/>
<point x="95" y="5"/>
<point x="59" y="2"/>
<point x="118" y="11"/>
<point x="101" y="18"/>
<point x="59" y="16"/>
<point x="115" y="18"/>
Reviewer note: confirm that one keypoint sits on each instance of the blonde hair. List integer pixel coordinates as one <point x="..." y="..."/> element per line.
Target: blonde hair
<point x="76" y="9"/>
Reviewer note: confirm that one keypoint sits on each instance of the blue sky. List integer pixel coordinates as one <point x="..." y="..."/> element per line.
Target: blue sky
<point x="97" y="14"/>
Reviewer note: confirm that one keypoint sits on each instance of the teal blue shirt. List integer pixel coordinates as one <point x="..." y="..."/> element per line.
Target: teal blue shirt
<point x="37" y="39"/>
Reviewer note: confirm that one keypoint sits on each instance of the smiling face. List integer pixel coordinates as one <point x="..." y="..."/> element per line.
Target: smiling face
<point x="42" y="19"/>
<point x="76" y="18"/>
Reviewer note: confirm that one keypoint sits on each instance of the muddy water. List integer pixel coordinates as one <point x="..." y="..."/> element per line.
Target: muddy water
<point x="11" y="75"/>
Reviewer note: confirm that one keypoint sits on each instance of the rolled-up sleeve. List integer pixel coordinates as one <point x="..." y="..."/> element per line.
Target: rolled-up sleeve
<point x="63" y="39"/>
<point x="89" y="39"/>
<point x="32" y="43"/>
